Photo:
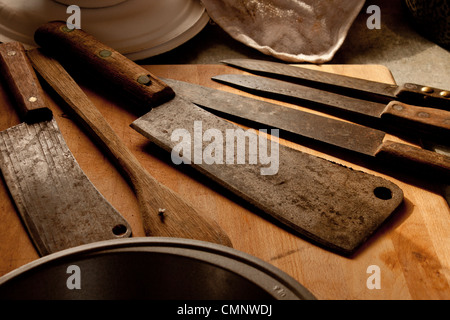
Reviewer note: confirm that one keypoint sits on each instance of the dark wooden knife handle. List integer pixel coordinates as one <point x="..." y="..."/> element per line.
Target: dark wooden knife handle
<point x="23" y="83"/>
<point x="114" y="68"/>
<point x="428" y="120"/>
<point x="424" y="96"/>
<point x="417" y="158"/>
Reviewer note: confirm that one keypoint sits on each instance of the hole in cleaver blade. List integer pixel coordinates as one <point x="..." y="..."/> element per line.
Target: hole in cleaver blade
<point x="58" y="204"/>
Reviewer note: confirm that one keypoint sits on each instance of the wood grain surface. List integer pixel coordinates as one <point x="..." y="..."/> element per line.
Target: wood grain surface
<point x="410" y="250"/>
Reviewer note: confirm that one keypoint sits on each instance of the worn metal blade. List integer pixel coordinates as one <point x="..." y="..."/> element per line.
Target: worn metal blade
<point x="388" y="91"/>
<point x="58" y="204"/>
<point x="360" y="88"/>
<point x="286" y="89"/>
<point x="342" y="134"/>
<point x="329" y="204"/>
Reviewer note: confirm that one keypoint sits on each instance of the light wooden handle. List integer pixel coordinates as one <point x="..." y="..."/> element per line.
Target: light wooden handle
<point x="430" y="121"/>
<point x="23" y="83"/>
<point x="419" y="159"/>
<point x="75" y="45"/>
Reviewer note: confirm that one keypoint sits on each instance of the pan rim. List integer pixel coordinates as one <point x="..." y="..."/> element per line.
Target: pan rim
<point x="281" y="285"/>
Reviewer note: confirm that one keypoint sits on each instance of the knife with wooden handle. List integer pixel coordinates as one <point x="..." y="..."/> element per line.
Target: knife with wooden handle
<point x="410" y="93"/>
<point x="58" y="204"/>
<point x="416" y="121"/>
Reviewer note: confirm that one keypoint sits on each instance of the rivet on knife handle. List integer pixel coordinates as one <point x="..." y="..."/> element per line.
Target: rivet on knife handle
<point x="110" y="64"/>
<point x="424" y="95"/>
<point x="29" y="97"/>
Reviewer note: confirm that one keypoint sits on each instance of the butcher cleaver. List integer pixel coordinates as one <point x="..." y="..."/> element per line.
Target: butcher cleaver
<point x="331" y="204"/>
<point x="57" y="203"/>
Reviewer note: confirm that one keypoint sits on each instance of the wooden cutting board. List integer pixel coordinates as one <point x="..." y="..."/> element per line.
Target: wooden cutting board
<point x="409" y="253"/>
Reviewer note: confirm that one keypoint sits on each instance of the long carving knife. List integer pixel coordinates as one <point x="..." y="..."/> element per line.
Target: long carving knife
<point x="383" y="92"/>
<point x="357" y="138"/>
<point x="433" y="124"/>
<point x="58" y="204"/>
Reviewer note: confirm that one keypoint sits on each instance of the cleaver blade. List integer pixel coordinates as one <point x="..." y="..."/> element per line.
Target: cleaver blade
<point x="327" y="203"/>
<point x="57" y="203"/>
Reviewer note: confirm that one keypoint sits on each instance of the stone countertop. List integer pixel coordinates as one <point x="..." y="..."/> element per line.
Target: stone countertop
<point x="396" y="45"/>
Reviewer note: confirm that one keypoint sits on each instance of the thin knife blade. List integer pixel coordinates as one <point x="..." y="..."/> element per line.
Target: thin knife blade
<point x="408" y="120"/>
<point x="342" y="134"/>
<point x="371" y="90"/>
<point x="314" y="76"/>
<point x="360" y="139"/>
<point x="304" y="93"/>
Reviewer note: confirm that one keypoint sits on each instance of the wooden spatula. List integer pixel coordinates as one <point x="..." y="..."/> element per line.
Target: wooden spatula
<point x="164" y="213"/>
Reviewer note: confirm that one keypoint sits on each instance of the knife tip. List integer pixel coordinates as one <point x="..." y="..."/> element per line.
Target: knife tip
<point x="232" y="62"/>
<point x="218" y="78"/>
<point x="226" y="61"/>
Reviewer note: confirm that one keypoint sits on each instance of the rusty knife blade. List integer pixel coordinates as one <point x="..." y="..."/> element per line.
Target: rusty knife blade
<point x="357" y="138"/>
<point x="339" y="133"/>
<point x="378" y="91"/>
<point x="414" y="121"/>
<point x="56" y="201"/>
<point x="58" y="204"/>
